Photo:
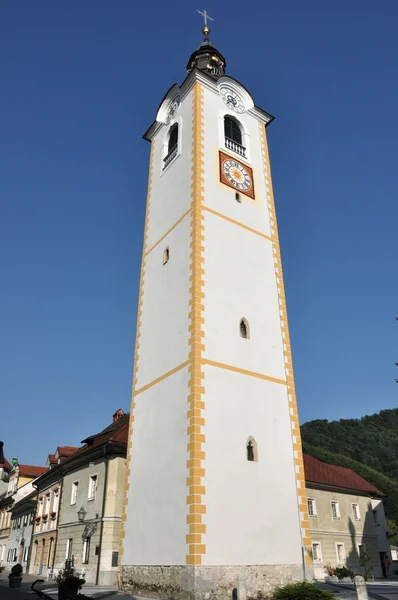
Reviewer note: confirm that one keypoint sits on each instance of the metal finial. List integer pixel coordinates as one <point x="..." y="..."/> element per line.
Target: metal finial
<point x="206" y="17"/>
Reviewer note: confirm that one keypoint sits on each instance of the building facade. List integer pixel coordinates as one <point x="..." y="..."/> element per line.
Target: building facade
<point x="5" y="525"/>
<point x="19" y="477"/>
<point x="44" y="539"/>
<point x="347" y="518"/>
<point x="44" y="536"/>
<point x="22" y="517"/>
<point x="91" y="504"/>
<point x="215" y="461"/>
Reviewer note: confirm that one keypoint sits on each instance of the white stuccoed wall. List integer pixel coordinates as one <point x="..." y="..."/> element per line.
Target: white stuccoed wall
<point x="164" y="338"/>
<point x="156" y="525"/>
<point x="249" y="505"/>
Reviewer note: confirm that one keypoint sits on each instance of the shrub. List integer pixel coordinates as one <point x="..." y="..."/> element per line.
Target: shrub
<point x="364" y="561"/>
<point x="329" y="569"/>
<point x="16" y="570"/>
<point x="342" y="572"/>
<point x="303" y="590"/>
<point x="70" y="577"/>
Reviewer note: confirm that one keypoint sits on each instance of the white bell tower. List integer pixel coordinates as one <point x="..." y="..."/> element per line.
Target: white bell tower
<point x="215" y="492"/>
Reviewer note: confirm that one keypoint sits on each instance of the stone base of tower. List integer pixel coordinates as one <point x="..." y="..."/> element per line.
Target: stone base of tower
<point x="208" y="582"/>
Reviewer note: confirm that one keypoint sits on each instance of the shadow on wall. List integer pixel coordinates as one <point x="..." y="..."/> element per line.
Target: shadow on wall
<point x="364" y="556"/>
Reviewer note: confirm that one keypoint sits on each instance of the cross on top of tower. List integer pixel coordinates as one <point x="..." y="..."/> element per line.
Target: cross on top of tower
<point x="206" y="17"/>
<point x="207" y="58"/>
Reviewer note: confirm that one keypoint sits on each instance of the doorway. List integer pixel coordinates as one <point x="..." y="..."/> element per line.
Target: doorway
<point x="43" y="547"/>
<point x="383" y="568"/>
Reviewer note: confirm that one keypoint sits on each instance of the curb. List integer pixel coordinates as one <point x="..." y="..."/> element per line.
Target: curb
<point x="352" y="589"/>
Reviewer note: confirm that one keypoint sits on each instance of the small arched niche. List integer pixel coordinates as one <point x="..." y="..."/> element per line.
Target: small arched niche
<point x="244" y="329"/>
<point x="251" y="450"/>
<point x="166" y="255"/>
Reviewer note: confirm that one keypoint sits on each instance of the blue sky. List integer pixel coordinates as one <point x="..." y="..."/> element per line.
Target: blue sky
<point x="80" y="83"/>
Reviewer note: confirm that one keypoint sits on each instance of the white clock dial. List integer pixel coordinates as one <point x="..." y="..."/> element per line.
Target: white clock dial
<point x="237" y="175"/>
<point x="232" y="100"/>
<point x="173" y="108"/>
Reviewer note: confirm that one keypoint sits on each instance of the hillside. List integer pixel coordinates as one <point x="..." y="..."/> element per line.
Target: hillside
<point x="368" y="445"/>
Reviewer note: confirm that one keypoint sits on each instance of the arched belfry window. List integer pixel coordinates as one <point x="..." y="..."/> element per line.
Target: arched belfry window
<point x="244" y="329"/>
<point x="251" y="450"/>
<point x="173" y="137"/>
<point x="172" y="145"/>
<point x="233" y="135"/>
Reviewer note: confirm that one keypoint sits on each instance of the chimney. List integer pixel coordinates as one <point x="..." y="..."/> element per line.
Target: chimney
<point x="119" y="413"/>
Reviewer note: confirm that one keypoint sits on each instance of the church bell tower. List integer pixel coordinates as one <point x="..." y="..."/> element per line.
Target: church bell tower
<point x="214" y="501"/>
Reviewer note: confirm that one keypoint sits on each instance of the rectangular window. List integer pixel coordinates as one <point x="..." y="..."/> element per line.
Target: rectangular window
<point x="340" y="553"/>
<point x="86" y="550"/>
<point x="375" y="517"/>
<point x="32" y="518"/>
<point x="19" y="520"/>
<point x="41" y="501"/>
<point x="317" y="552"/>
<point x="73" y="498"/>
<point x="92" y="487"/>
<point x="14" y="555"/>
<point x="355" y="512"/>
<point x="56" y="500"/>
<point x="335" y="509"/>
<point x="26" y="554"/>
<point x="69" y="548"/>
<point x="311" y="507"/>
<point x="25" y="520"/>
<point x="14" y="523"/>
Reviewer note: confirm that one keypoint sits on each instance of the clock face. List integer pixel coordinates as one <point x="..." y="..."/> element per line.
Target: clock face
<point x="173" y="108"/>
<point x="236" y="175"/>
<point x="232" y="100"/>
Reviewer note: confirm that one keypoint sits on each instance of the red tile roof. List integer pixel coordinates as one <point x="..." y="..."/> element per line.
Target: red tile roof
<point x="31" y="471"/>
<point x="64" y="451"/>
<point x="52" y="459"/>
<point x="115" y="432"/>
<point x="320" y="472"/>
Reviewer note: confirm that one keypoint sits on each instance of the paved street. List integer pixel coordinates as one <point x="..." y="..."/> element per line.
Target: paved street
<point x="376" y="589"/>
<point x="25" y="592"/>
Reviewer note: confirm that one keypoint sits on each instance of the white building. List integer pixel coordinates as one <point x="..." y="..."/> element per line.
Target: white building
<point x="347" y="518"/>
<point x="215" y="467"/>
<point x="22" y="516"/>
<point x="90" y="507"/>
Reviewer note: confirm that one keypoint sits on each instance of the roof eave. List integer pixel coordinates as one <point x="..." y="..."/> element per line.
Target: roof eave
<point x="266" y="117"/>
<point x="344" y="490"/>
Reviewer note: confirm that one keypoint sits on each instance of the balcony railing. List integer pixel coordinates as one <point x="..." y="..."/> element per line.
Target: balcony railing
<point x="170" y="156"/>
<point x="235" y="147"/>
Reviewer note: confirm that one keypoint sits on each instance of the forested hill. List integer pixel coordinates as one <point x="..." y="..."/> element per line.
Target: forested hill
<point x="368" y="445"/>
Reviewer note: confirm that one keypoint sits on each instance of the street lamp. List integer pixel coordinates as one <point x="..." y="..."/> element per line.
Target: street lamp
<point x="81" y="514"/>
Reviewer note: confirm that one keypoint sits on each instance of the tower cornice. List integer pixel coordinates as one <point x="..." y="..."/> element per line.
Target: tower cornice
<point x="198" y="76"/>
